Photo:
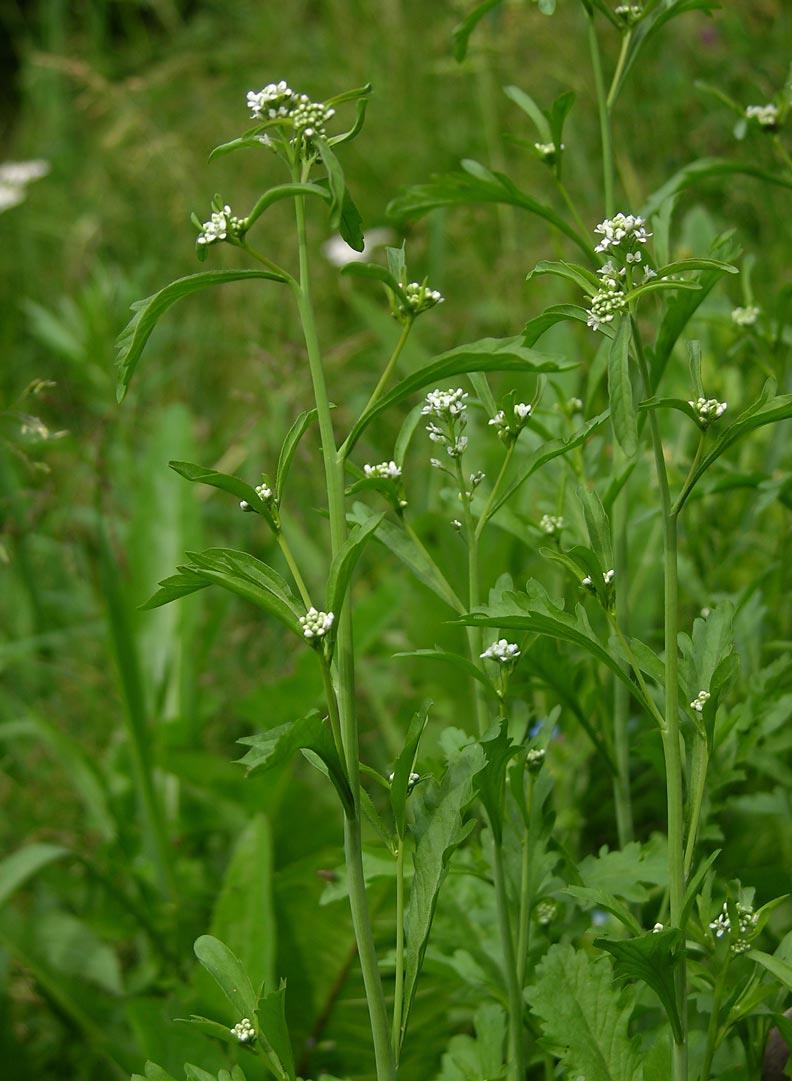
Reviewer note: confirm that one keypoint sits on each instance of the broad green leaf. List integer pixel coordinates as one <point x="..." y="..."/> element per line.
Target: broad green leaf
<point x="243" y="915"/>
<point x="626" y="872"/>
<point x="403" y="767"/>
<point x="283" y="191"/>
<point x="345" y="560"/>
<point x="706" y="169"/>
<point x="132" y="340"/>
<point x="652" y="958"/>
<point x="585" y="1016"/>
<point x="482" y="1057"/>
<point x="580" y="276"/>
<point x="23" y="864"/>
<point x="439" y="831"/>
<point x="620" y="392"/>
<point x="461" y="33"/>
<point x="406" y="432"/>
<point x="289" y="448"/>
<point x="558" y="313"/>
<point x="463" y="188"/>
<point x="486" y="355"/>
<point x="227" y="971"/>
<point x="224" y="481"/>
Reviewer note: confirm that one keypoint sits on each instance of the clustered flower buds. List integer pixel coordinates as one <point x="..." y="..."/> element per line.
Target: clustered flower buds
<point x="747" y="920"/>
<point x="534" y="759"/>
<point x="630" y="14"/>
<point x="765" y="115"/>
<point x="264" y="492"/>
<point x="607" y="577"/>
<point x="278" y="102"/>
<point x="418" y="298"/>
<point x="412" y="781"/>
<point x="629" y="228"/>
<point x="244" y="1031"/>
<point x="551" y="524"/>
<point x="383" y="470"/>
<point x="219" y="226"/>
<point x="548" y="152"/>
<point x="449" y="408"/>
<point x="658" y="927"/>
<point x="745" y="317"/>
<point x="610" y="300"/>
<point x="502" y="651"/>
<point x="309" y="118"/>
<point x="708" y="409"/>
<point x="700" y="701"/>
<point x="509" y="424"/>
<point x="316" y="624"/>
<point x="546" y="912"/>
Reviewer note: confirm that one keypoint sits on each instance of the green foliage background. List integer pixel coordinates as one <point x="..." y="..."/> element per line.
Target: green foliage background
<point x="124" y="100"/>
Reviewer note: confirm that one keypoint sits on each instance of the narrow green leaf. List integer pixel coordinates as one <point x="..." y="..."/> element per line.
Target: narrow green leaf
<point x="335" y="179"/>
<point x="274" y="1031"/>
<point x="289" y="448"/>
<point x="467" y="667"/>
<point x="23" y="864"/>
<point x="620" y="391"/>
<point x="782" y="970"/>
<point x="597" y="525"/>
<point x="707" y="169"/>
<point x="227" y="971"/>
<point x="224" y="481"/>
<point x="461" y="33"/>
<point x="530" y="108"/>
<point x="132" y="340"/>
<point x="283" y="191"/>
<point x="403" y="767"/>
<point x="583" y="278"/>
<point x="345" y="560"/>
<point x="490" y="782"/>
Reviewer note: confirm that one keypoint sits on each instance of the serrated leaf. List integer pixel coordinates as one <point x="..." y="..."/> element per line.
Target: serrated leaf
<point x="584" y="1015"/>
<point x="274" y="1032"/>
<point x="620" y="392"/>
<point x="132" y="340"/>
<point x="652" y="958"/>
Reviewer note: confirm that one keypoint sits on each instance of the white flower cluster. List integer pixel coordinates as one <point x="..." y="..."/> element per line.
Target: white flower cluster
<point x="221" y="223"/>
<point x="15" y="177"/>
<point x="747" y="919"/>
<point x="630" y="13"/>
<point x="551" y="524"/>
<point x="309" y="117"/>
<point x="658" y="927"/>
<point x="547" y="151"/>
<point x="606" y="304"/>
<point x="420" y="298"/>
<point x="275" y="100"/>
<point x="708" y="409"/>
<point x="383" y="470"/>
<point x="745" y="317"/>
<point x="264" y="492"/>
<point x="765" y="115"/>
<point x="508" y="428"/>
<point x="700" y="701"/>
<point x="316" y="624"/>
<point x="629" y="228"/>
<point x="502" y="651"/>
<point x="546" y="912"/>
<point x="534" y="759"/>
<point x="575" y="405"/>
<point x="244" y="1031"/>
<point x="449" y="407"/>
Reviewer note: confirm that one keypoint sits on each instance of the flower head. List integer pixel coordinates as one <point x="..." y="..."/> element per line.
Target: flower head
<point x="606" y="304"/>
<point x="219" y="226"/>
<point x="745" y="317"/>
<point x="274" y="101"/>
<point x="419" y="298"/>
<point x="316" y="624"/>
<point x="766" y="116"/>
<point x="244" y="1031"/>
<point x="264" y="492"/>
<point x="310" y="117"/>
<point x="747" y="921"/>
<point x="622" y="230"/>
<point x="534" y="759"/>
<point x="551" y="524"/>
<point x="449" y="410"/>
<point x="502" y="651"/>
<point x="510" y="422"/>
<point x="630" y="14"/>
<point x="700" y="701"/>
<point x="548" y="152"/>
<point x="708" y="409"/>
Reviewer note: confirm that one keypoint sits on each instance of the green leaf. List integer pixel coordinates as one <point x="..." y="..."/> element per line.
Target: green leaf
<point x="335" y="180"/>
<point x="153" y="1072"/>
<point x="583" y="278"/>
<point x="403" y="767"/>
<point x="559" y="111"/>
<point x="375" y="272"/>
<point x="227" y="971"/>
<point x="487" y="355"/>
<point x="467" y="667"/>
<point x="652" y="958"/>
<point x="530" y="108"/>
<point x="224" y="481"/>
<point x="584" y="1015"/>
<point x="707" y="169"/>
<point x="461" y="34"/>
<point x="782" y="970"/>
<point x="345" y="560"/>
<point x="620" y="391"/>
<point x="684" y="265"/>
<point x="132" y="340"/>
<point x="274" y="1032"/>
<point x="23" y="864"/>
<point x="439" y="831"/>
<point x="490" y="782"/>
<point x="350" y="223"/>
<point x="597" y="525"/>
<point x="361" y="94"/>
<point x="284" y="191"/>
<point x="591" y="896"/>
<point x="289" y="448"/>
<point x="464" y="188"/>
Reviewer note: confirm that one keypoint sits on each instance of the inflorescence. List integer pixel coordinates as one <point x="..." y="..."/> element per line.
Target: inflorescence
<point x="747" y="920"/>
<point x="220" y="225"/>
<point x="383" y="470"/>
<point x="316" y="624"/>
<point x="623" y="234"/>
<point x="418" y="298"/>
<point x="278" y="103"/>
<point x="449" y="410"/>
<point x="766" y="116"/>
<point x="509" y="424"/>
<point x="700" y="701"/>
<point x="551" y="524"/>
<point x="708" y="409"/>
<point x="745" y="317"/>
<point x="244" y="1031"/>
<point x="502" y="651"/>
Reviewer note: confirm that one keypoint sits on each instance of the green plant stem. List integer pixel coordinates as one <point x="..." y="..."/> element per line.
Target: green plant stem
<point x="671" y="733"/>
<point x="291" y="562"/>
<point x="714" y="1018"/>
<point x="604" y="117"/>
<point x="562" y="188"/>
<point x="621" y="694"/>
<point x="698" y="783"/>
<point x="376" y="394"/>
<point x="516" y="1071"/>
<point x="613" y="92"/>
<point x="398" y="991"/>
<point x="524" y="927"/>
<point x="474" y="634"/>
<point x="332" y="707"/>
<point x="361" y="919"/>
<point x="484" y="517"/>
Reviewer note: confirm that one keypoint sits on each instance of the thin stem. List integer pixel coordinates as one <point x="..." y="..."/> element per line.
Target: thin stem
<point x="332" y="707"/>
<point x="698" y="783"/>
<point x="630" y="655"/>
<point x="712" y="1027"/>
<point x="398" y="991"/>
<point x="562" y="188"/>
<point x="613" y="93"/>
<point x="524" y="926"/>
<point x="388" y="371"/>
<point x="484" y="517"/>
<point x="474" y="634"/>
<point x="361" y="919"/>
<point x="516" y="1042"/>
<point x="299" y="581"/>
<point x="604" y="117"/>
<point x="265" y="261"/>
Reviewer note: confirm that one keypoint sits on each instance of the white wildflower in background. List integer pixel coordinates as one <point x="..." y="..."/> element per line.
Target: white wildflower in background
<point x="658" y="927"/>
<point x="548" y="151"/>
<point x="629" y="13"/>
<point x="551" y="524"/>
<point x="445" y="403"/>
<point x="586" y="582"/>
<point x="745" y="317"/>
<point x="502" y="651"/>
<point x="420" y="298"/>
<point x="457" y="525"/>
<point x="765" y="115"/>
<point x="509" y="424"/>
<point x="15" y="177"/>
<point x="700" y="701"/>
<point x="622" y="229"/>
<point x="708" y="409"/>
<point x="316" y="624"/>
<point x="244" y="1031"/>
<point x="383" y="470"/>
<point x="575" y="405"/>
<point x="219" y="226"/>
<point x="648" y="273"/>
<point x="412" y="781"/>
<point x="608" y="577"/>
<point x="339" y="253"/>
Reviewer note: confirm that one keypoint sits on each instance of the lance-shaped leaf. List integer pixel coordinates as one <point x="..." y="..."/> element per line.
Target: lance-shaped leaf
<point x="237" y="572"/>
<point x="403" y="767"/>
<point x="344" y="562"/>
<point x="309" y="734"/>
<point x="224" y="481"/>
<point x="486" y="355"/>
<point x="375" y="272"/>
<point x="289" y="449"/>
<point x="620" y="392"/>
<point x="776" y="966"/>
<point x="361" y="94"/>
<point x="652" y="958"/>
<point x="477" y="185"/>
<point x="706" y="169"/>
<point x="684" y="265"/>
<point x="132" y="340"/>
<point x="439" y="831"/>
<point x="530" y="108"/>
<point x="558" y="313"/>
<point x="344" y="215"/>
<point x="461" y="33"/>
<point x="584" y="279"/>
<point x="585" y="1016"/>
<point x="284" y="191"/>
<point x="456" y="660"/>
<point x="23" y="864"/>
<point x="533" y="611"/>
<point x="597" y="525"/>
<point x="227" y="971"/>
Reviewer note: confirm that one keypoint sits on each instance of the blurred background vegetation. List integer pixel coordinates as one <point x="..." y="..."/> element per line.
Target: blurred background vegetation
<point x="124" y="100"/>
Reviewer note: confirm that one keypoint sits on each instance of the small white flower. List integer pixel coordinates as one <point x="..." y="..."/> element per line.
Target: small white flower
<point x="271" y="103"/>
<point x="546" y="912"/>
<point x="708" y="409"/>
<point x="586" y="581"/>
<point x="658" y="927"/>
<point x="420" y="298"/>
<point x="499" y="420"/>
<point x="551" y="524"/>
<point x="547" y="151"/>
<point x="745" y="317"/>
<point x="246" y="507"/>
<point x="606" y="304"/>
<point x="383" y="470"/>
<point x="264" y="492"/>
<point x="534" y="759"/>
<point x="413" y="780"/>
<point x="445" y="403"/>
<point x="218" y="227"/>
<point x="575" y="405"/>
<point x="608" y="576"/>
<point x="633" y="257"/>
<point x="629" y="228"/>
<point x="244" y="1031"/>
<point x="523" y="410"/>
<point x="502" y="651"/>
<point x="706" y="613"/>
<point x="15" y="177"/>
<point x="648" y="273"/>
<point x="629" y="13"/>
<point x="310" y="117"/>
<point x="746" y="918"/>
<point x="435" y="463"/>
<point x="316" y="624"/>
<point x="457" y="525"/>
<point x="765" y="115"/>
<point x="700" y="701"/>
